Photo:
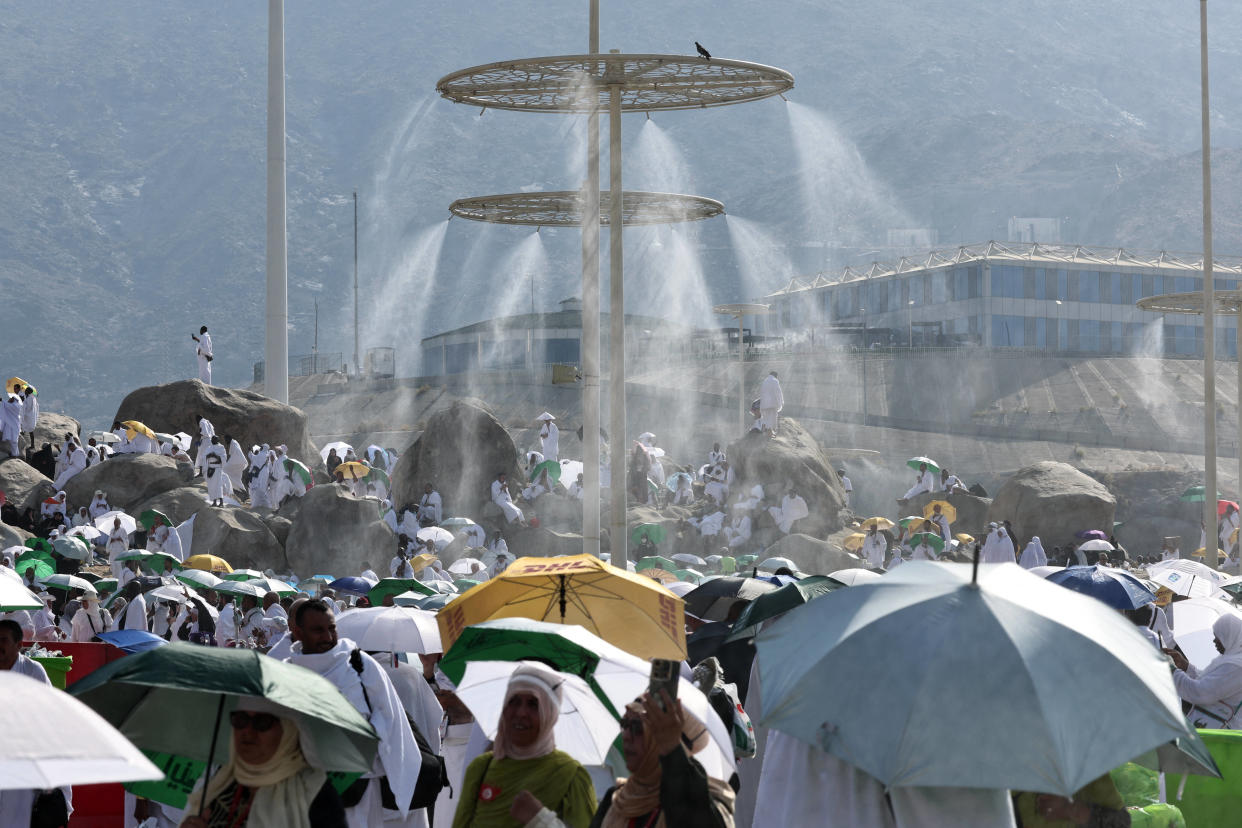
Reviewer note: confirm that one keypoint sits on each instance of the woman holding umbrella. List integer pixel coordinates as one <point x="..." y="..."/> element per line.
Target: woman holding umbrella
<point x="118" y="544"/>
<point x="267" y="781"/>
<point x="1216" y="692"/>
<point x="524" y="774"/>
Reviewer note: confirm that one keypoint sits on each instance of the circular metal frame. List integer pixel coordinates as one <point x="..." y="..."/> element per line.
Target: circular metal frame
<point x="563" y="208"/>
<point x="1227" y="301"/>
<point x="578" y="83"/>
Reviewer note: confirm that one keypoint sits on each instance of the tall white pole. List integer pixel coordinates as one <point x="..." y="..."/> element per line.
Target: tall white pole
<point x="590" y="318"/>
<point x="357" y="364"/>
<point x="741" y="375"/>
<point x="276" y="347"/>
<point x="1209" y="314"/>
<point x="616" y="371"/>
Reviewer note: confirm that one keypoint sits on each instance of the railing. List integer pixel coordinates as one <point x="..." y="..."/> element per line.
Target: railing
<point x="305" y="365"/>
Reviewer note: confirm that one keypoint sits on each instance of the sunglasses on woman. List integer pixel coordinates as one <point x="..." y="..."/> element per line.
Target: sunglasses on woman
<point x="259" y="722"/>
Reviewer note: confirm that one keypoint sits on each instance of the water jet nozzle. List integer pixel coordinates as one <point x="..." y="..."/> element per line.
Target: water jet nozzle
<point x="782" y="97"/>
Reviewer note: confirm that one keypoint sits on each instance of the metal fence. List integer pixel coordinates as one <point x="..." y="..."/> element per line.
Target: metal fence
<point x="304" y="365"/>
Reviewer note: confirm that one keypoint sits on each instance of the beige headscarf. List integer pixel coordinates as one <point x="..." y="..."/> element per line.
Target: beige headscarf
<point x="284" y="785"/>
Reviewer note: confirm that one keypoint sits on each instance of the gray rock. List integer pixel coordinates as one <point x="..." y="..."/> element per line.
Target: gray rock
<point x="1052" y="500"/>
<point x="337" y="532"/>
<point x="238" y="535"/>
<point x="249" y="417"/>
<point x="12" y="536"/>
<point x="53" y="427"/>
<point x="128" y="479"/>
<point x="280" y="528"/>
<point x="22" y="485"/>
<point x="813" y="556"/>
<point x="460" y="452"/>
<point x="793" y="458"/>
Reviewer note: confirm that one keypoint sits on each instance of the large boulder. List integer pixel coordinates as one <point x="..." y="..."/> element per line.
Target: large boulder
<point x="793" y="459"/>
<point x="248" y="417"/>
<point x="1150" y="507"/>
<point x="238" y="535"/>
<point x="972" y="511"/>
<point x="337" y="532"/>
<point x="128" y="479"/>
<point x="537" y="542"/>
<point x="22" y="485"/>
<point x="460" y="452"/>
<point x="812" y="555"/>
<point x="1053" y="501"/>
<point x="12" y="536"/>
<point x="52" y="428"/>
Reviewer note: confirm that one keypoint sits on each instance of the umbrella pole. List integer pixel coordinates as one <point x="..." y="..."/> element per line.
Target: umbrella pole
<point x="564" y="602"/>
<point x="215" y="732"/>
<point x="974" y="572"/>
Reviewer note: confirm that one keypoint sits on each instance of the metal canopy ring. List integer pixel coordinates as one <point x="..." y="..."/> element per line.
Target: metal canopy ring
<point x="564" y="208"/>
<point x="1227" y="301"/>
<point x="576" y="83"/>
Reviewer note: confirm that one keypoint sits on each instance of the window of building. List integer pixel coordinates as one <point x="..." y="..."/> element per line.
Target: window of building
<point x="1115" y="293"/>
<point x="1088" y="286"/>
<point x="939" y="287"/>
<point x="1041" y="333"/>
<point x="1008" y="331"/>
<point x="918" y="290"/>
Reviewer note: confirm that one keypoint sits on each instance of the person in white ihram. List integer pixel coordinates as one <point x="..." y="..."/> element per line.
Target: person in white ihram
<point x="205" y="432"/>
<point x="845" y="484"/>
<point x="75" y="463"/>
<point x="30" y="413"/>
<point x="11" y="424"/>
<point x="549" y="437"/>
<point x="771" y="401"/>
<point x="502" y="498"/>
<point x="874" y="547"/>
<point x="792" y="508"/>
<point x="202" y="350"/>
<point x="1216" y="691"/>
<point x="997" y="548"/>
<point x="924" y="483"/>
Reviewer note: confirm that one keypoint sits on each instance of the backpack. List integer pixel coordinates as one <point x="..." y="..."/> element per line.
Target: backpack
<point x="432" y="774"/>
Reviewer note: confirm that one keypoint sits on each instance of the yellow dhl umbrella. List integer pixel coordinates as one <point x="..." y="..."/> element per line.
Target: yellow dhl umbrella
<point x="1201" y="553"/>
<point x="854" y="542"/>
<point x="962" y="537"/>
<point x="207" y="563"/>
<point x="877" y="522"/>
<point x="946" y="509"/>
<point x="631" y="611"/>
<point x="353" y="470"/>
<point x="133" y="427"/>
<point x="421" y="561"/>
<point x="13" y="383"/>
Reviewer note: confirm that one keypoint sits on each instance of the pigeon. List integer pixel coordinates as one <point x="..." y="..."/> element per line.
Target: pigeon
<point x="706" y="54"/>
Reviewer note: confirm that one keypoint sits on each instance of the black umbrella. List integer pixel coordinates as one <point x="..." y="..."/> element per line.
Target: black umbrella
<point x="713" y="600"/>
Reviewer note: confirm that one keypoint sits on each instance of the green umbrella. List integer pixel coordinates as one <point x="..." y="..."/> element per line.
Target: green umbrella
<point x="299" y="472"/>
<point x="435" y="603"/>
<point x="1195" y="494"/>
<point x="147" y="519"/>
<point x="652" y="530"/>
<point x="135" y="555"/>
<point x="43" y="567"/>
<point x="275" y="585"/>
<point x="771" y="604"/>
<point x="691" y="576"/>
<point x="198" y="579"/>
<point x="243" y="575"/>
<point x="39" y="545"/>
<point x="242" y="588"/>
<point x="464" y="584"/>
<point x="381" y="476"/>
<point x="655" y="562"/>
<point x="909" y="519"/>
<point x="930" y="538"/>
<point x="552" y="467"/>
<point x="396" y="586"/>
<point x="174" y="699"/>
<point x="106" y="585"/>
<point x="932" y="465"/>
<point x="155" y="563"/>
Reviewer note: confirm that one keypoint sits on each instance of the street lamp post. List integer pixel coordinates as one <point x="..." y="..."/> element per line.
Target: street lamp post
<point x="1209" y="308"/>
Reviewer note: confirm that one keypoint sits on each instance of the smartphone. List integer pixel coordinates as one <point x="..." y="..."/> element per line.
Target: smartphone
<point x="665" y="675"/>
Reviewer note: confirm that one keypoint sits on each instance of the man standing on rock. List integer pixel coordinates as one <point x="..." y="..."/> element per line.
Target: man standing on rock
<point x="30" y="414"/>
<point x="11" y="424"/>
<point x="875" y="547"/>
<point x="213" y="463"/>
<point x="202" y="350"/>
<point x="549" y="437"/>
<point x="771" y="401"/>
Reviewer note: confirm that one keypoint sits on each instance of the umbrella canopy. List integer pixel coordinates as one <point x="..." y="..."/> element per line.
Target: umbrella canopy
<point x="1193" y="633"/>
<point x="273" y="585"/>
<point x="629" y="610"/>
<point x="379" y="476"/>
<point x="654" y="531"/>
<point x="1222" y="505"/>
<point x="456" y="524"/>
<point x="73" y="548"/>
<point x="13" y="383"/>
<point x="773" y="564"/>
<point x="1097" y="545"/>
<point x="135" y="555"/>
<point x="353" y="584"/>
<point x="298" y="471"/>
<point x="946" y="508"/>
<point x="1201" y="552"/>
<point x="397" y="586"/>
<point x="655" y="562"/>
<point x="552" y="467"/>
<point x="155" y="564"/>
<point x="435" y="603"/>
<point x="438" y="536"/>
<point x="391" y="629"/>
<point x="878" y="522"/>
<point x="1189" y="578"/>
<point x="1091" y="534"/>
<point x="674" y="480"/>
<point x="421" y="561"/>
<point x="465" y="584"/>
<point x="353" y="470"/>
<point x="40" y="561"/>
<point x="68" y="582"/>
<point x="207" y="563"/>
<point x="854" y="542"/>
<point x="909" y="520"/>
<point x="148" y="517"/>
<point x="932" y="465"/>
<point x="241" y="589"/>
<point x="93" y="752"/>
<point x="14" y="596"/>
<point x="663" y="576"/>
<point x="104" y="522"/>
<point x="779" y="602"/>
<point x="132" y="641"/>
<point x="962" y="537"/>
<point x="341" y="449"/>
<point x="39" y="545"/>
<point x="174" y="699"/>
<point x="1197" y="494"/>
<point x="1118" y="589"/>
<point x="199" y="578"/>
<point x="854" y="576"/>
<point x="1013" y="725"/>
<point x="243" y="575"/>
<point x="318" y="579"/>
<point x="689" y="576"/>
<point x="464" y="566"/>
<point x="712" y="601"/>
<point x="930" y="538"/>
<point x="86" y="532"/>
<point x="686" y="559"/>
<point x="133" y="428"/>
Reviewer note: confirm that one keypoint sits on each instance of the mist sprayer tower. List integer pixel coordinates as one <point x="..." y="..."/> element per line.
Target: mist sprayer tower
<point x="586" y="85"/>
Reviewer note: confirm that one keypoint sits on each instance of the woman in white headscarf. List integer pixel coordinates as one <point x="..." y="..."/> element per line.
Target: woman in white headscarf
<point x="1033" y="555"/>
<point x="1216" y="692"/>
<point x="118" y="544"/>
<point x="99" y="504"/>
<point x="266" y="782"/>
<point x="87" y="621"/>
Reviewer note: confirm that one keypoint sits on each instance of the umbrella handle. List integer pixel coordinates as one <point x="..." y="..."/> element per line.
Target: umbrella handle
<point x="563" y="601"/>
<point x="974" y="571"/>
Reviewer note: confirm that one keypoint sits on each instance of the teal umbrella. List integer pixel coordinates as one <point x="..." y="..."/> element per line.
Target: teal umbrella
<point x="71" y="547"/>
<point x="863" y="673"/>
<point x="655" y="562"/>
<point x="42" y="563"/>
<point x="173" y="700"/>
<point x="930" y="538"/>
<point x="780" y="601"/>
<point x="1197" y="494"/>
<point x="243" y="575"/>
<point x="552" y="467"/>
<point x="147" y="519"/>
<point x="397" y="586"/>
<point x="652" y="530"/>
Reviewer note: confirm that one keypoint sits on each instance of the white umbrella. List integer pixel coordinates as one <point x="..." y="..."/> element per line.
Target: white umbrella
<point x="241" y="588"/>
<point x="1096" y="545"/>
<point x="1190" y="567"/>
<point x="1192" y="627"/>
<point x="773" y="564"/>
<point x="408" y="599"/>
<point x="690" y="560"/>
<point x="168" y="592"/>
<point x="680" y="588"/>
<point x="570" y="469"/>
<point x="68" y="582"/>
<point x="585" y="729"/>
<point x="14" y="596"/>
<point x="440" y="537"/>
<point x="1191" y="585"/>
<point x="199" y="578"/>
<point x="544" y="416"/>
<point x="464" y="566"/>
<point x="340" y="447"/>
<point x="90" y="751"/>
<point x="396" y="629"/>
<point x="104" y="522"/>
<point x="646" y="437"/>
<point x="86" y="532"/>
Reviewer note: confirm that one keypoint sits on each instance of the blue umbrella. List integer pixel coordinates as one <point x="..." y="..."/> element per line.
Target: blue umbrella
<point x="672" y="481"/>
<point x="354" y="584"/>
<point x="435" y="603"/>
<point x="1120" y="590"/>
<point x="132" y="641"/>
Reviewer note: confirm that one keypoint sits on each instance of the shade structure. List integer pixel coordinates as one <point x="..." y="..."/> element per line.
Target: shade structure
<point x="1012" y="725"/>
<point x="88" y="750"/>
<point x="628" y="610"/>
<point x="565" y="208"/>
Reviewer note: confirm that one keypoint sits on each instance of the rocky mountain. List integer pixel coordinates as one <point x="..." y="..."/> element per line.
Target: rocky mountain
<point x="132" y="134"/>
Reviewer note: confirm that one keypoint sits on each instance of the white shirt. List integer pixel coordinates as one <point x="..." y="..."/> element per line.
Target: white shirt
<point x="204" y="345"/>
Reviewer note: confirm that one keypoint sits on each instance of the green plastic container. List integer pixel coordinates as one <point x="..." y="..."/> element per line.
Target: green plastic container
<point x="1213" y="803"/>
<point x="1157" y="816"/>
<point x="57" y="668"/>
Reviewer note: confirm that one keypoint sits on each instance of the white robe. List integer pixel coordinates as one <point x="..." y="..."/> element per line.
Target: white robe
<point x="997" y="549"/>
<point x="118" y="544"/>
<point x="925" y="483"/>
<point x="30" y="412"/>
<point x="235" y="463"/>
<point x="98" y="507"/>
<point x="202" y="350"/>
<point x="549" y="438"/>
<point x="213" y="468"/>
<point x="430" y="507"/>
<point x="708" y="525"/>
<point x="1033" y="555"/>
<point x="943" y="527"/>
<point x="738" y="532"/>
<point x="502" y="498"/>
<point x="924" y="552"/>
<point x="11" y="423"/>
<point x="874" y="548"/>
<point x="792" y="508"/>
<point x="75" y="464"/>
<point x="771" y="401"/>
